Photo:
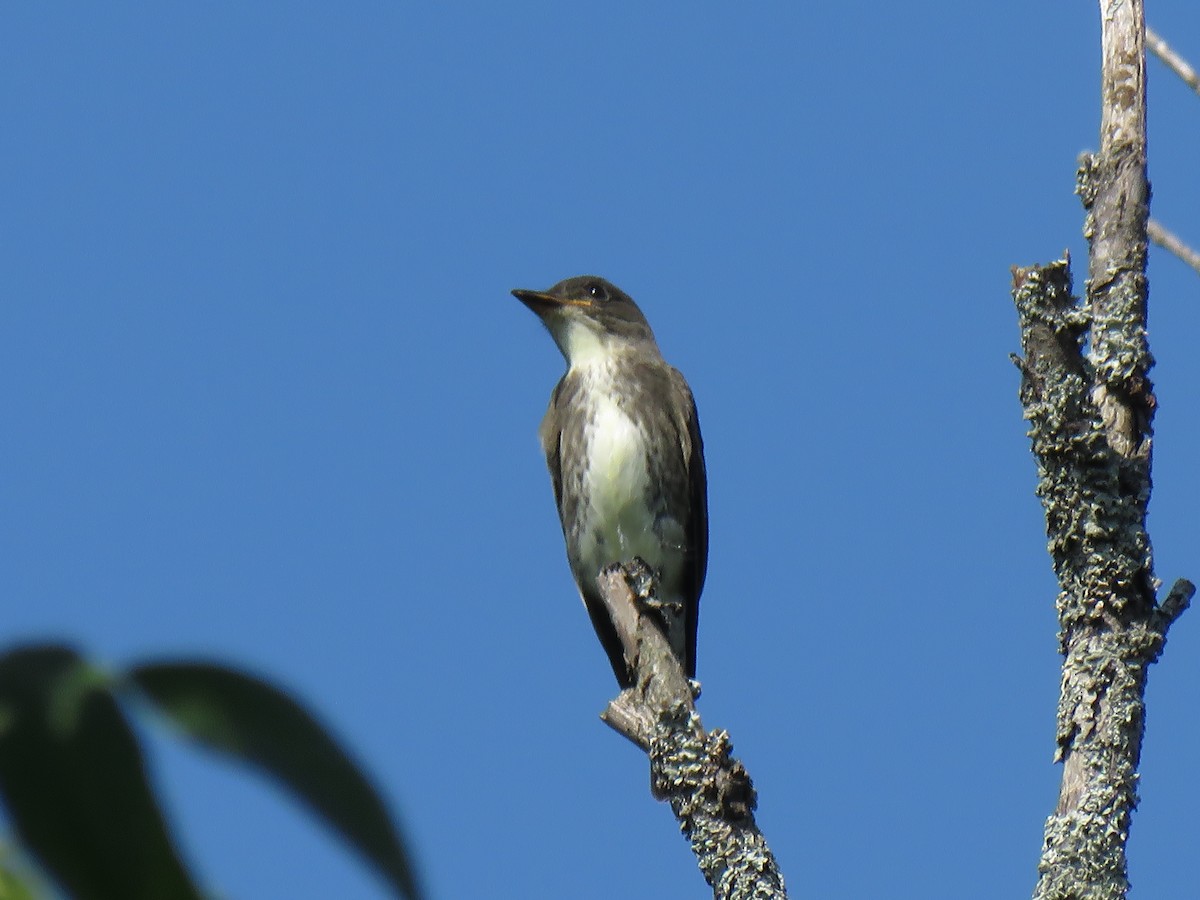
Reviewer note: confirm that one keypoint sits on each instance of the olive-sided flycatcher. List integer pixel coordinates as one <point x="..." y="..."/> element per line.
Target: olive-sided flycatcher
<point x="622" y="442"/>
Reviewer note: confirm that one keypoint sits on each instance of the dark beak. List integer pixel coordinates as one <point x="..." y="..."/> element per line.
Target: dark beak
<point x="541" y="302"/>
<point x="538" y="301"/>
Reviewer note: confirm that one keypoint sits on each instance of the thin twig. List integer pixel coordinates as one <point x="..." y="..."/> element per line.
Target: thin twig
<point x="1168" y="241"/>
<point x="1173" y="60"/>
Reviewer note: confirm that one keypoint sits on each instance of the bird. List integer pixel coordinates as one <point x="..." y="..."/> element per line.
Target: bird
<point x="626" y="458"/>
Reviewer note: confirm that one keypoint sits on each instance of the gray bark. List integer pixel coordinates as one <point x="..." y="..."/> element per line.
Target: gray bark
<point x="709" y="791"/>
<point x="1090" y="418"/>
<point x="1173" y="60"/>
<point x="1171" y="243"/>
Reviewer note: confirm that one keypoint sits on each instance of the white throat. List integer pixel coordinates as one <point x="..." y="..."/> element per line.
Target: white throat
<point x="583" y="344"/>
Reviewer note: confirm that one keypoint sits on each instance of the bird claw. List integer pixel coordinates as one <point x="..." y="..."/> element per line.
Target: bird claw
<point x="641" y="579"/>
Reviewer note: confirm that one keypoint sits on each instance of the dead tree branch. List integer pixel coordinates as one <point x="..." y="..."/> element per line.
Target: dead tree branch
<point x="709" y="791"/>
<point x="1168" y="241"/>
<point x="1177" y="64"/>
<point x="1090" y="418"/>
<point x="1112" y="627"/>
<point x="1173" y="60"/>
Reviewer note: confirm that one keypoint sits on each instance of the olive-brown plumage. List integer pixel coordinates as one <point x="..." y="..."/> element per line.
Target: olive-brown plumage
<point x="623" y="446"/>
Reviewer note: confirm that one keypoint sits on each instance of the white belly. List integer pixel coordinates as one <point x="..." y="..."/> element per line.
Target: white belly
<point x="618" y="489"/>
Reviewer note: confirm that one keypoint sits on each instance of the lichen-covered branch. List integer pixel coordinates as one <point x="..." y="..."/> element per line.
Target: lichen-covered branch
<point x="1112" y="627"/>
<point x="709" y="791"/>
<point x="1090" y="416"/>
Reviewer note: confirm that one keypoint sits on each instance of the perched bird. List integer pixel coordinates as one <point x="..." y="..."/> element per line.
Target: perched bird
<point x="623" y="445"/>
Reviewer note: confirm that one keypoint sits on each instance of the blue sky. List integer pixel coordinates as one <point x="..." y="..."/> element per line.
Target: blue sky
<point x="267" y="399"/>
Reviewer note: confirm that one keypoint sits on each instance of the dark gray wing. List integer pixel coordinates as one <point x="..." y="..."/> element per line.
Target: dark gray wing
<point x="550" y="436"/>
<point x="692" y="447"/>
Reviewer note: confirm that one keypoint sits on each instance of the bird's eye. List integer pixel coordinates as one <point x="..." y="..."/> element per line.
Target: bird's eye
<point x="597" y="292"/>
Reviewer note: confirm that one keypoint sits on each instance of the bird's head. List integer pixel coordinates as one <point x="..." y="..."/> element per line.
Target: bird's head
<point x="589" y="318"/>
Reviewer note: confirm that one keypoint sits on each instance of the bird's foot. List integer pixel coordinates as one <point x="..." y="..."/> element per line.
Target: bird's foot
<point x="672" y="608"/>
<point x="644" y="582"/>
<point x="641" y="578"/>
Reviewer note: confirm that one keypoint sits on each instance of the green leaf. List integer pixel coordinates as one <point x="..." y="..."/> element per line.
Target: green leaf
<point x="244" y="717"/>
<point x="72" y="778"/>
<point x="17" y="882"/>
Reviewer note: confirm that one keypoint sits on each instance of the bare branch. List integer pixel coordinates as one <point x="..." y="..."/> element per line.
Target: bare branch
<point x="1168" y="241"/>
<point x="1179" y="598"/>
<point x="1116" y="195"/>
<point x="709" y="791"/>
<point x="1173" y="60"/>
